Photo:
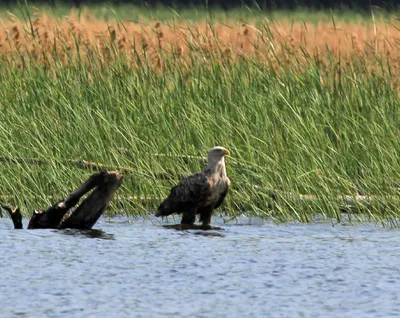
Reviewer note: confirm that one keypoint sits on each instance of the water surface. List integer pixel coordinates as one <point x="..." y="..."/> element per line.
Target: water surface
<point x="137" y="268"/>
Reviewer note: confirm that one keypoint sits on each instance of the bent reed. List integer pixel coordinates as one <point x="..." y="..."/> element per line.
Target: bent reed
<point x="309" y="110"/>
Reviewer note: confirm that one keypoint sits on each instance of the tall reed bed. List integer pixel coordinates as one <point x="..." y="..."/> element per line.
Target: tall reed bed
<point x="304" y="108"/>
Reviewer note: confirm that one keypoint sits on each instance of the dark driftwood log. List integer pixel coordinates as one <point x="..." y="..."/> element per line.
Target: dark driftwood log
<point x="15" y="215"/>
<point x="62" y="215"/>
<point x="89" y="211"/>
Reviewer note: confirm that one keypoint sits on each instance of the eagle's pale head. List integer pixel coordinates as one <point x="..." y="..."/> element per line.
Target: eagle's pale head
<point x="218" y="152"/>
<point x="216" y="157"/>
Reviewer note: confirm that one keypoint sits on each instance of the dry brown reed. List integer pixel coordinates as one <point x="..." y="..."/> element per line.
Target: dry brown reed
<point x="48" y="40"/>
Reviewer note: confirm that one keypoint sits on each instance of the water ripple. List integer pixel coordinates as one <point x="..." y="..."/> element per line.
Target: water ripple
<point x="136" y="268"/>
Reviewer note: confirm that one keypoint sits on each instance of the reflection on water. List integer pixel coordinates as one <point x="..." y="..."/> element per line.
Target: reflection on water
<point x="208" y="233"/>
<point x="204" y="230"/>
<point x="93" y="233"/>
<point x="138" y="268"/>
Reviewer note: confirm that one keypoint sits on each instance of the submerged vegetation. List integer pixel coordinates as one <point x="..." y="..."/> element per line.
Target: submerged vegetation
<point x="305" y="108"/>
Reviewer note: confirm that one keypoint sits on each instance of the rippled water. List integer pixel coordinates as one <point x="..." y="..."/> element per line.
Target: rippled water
<point x="137" y="268"/>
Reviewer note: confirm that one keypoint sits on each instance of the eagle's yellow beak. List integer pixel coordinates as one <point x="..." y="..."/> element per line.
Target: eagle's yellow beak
<point x="227" y="153"/>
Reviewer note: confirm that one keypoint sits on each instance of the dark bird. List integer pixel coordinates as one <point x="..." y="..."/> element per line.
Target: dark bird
<point x="200" y="193"/>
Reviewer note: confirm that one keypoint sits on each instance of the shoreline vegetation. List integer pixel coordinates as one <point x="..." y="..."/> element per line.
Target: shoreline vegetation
<point x="308" y="105"/>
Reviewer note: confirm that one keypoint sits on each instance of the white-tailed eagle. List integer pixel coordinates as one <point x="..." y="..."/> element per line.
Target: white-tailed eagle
<point x="200" y="193"/>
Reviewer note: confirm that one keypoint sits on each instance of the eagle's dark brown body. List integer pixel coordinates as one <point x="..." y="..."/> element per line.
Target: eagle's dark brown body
<point x="200" y="193"/>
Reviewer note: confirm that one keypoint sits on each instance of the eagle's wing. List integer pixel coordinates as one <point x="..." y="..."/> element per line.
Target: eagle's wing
<point x="186" y="194"/>
<point x="221" y="198"/>
<point x="207" y="211"/>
